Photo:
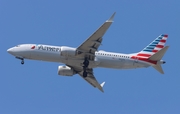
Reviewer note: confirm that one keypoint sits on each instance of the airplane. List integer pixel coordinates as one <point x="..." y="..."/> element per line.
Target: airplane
<point x="83" y="59"/>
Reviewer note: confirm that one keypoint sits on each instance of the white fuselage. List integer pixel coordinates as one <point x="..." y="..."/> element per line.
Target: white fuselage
<point x="53" y="54"/>
<point x="83" y="59"/>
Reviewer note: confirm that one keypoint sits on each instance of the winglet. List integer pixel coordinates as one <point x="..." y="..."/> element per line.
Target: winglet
<point x="111" y="18"/>
<point x="101" y="87"/>
<point x="102" y="84"/>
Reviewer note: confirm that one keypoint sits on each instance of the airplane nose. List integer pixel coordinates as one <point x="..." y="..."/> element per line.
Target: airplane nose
<point x="10" y="50"/>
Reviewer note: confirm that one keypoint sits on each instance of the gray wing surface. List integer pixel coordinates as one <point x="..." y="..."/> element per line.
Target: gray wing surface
<point x="87" y="50"/>
<point x="92" y="80"/>
<point x="91" y="44"/>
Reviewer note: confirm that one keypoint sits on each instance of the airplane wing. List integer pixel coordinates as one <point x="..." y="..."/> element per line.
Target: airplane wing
<point x="92" y="80"/>
<point x="88" y="48"/>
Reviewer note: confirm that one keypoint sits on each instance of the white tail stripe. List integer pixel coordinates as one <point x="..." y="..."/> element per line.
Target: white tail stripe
<point x="164" y="38"/>
<point x="156" y="48"/>
<point x="161" y="43"/>
<point x="156" y="45"/>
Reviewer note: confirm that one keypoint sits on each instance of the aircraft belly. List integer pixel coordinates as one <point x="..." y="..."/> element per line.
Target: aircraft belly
<point x="140" y="64"/>
<point x="110" y="63"/>
<point x="72" y="62"/>
<point x="78" y="62"/>
<point x="26" y="54"/>
<point x="119" y="63"/>
<point x="45" y="56"/>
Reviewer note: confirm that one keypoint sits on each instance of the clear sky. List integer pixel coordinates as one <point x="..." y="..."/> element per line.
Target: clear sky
<point x="35" y="87"/>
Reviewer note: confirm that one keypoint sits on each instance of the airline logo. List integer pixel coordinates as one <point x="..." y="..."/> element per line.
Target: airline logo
<point x="152" y="48"/>
<point x="157" y="44"/>
<point x="48" y="48"/>
<point x="33" y="47"/>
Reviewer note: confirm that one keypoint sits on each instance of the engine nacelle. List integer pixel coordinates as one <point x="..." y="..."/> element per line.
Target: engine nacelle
<point x="65" y="71"/>
<point x="68" y="51"/>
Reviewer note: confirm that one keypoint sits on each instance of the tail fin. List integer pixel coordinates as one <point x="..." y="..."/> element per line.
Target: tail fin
<point x="157" y="57"/>
<point x="155" y="51"/>
<point x="154" y="46"/>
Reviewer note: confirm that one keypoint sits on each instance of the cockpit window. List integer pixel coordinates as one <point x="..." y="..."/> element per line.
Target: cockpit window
<point x="17" y="45"/>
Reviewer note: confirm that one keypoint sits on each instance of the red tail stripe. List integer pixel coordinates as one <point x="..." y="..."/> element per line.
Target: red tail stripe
<point x="150" y="61"/>
<point x="163" y="41"/>
<point x="155" y="51"/>
<point x="144" y="55"/>
<point x="159" y="46"/>
<point x="166" y="35"/>
<point x="144" y="59"/>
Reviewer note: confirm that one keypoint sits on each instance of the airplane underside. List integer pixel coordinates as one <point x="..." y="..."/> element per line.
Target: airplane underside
<point x="104" y="63"/>
<point x="85" y="57"/>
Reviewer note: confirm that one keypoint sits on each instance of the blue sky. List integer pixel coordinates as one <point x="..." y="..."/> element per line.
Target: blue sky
<point x="35" y="86"/>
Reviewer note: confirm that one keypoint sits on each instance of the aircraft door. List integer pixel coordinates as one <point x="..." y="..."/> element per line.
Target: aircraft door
<point x="121" y="62"/>
<point x="64" y="57"/>
<point x="136" y="61"/>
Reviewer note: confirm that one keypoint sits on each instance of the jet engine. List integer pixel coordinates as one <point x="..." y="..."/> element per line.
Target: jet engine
<point x="68" y="51"/>
<point x="65" y="71"/>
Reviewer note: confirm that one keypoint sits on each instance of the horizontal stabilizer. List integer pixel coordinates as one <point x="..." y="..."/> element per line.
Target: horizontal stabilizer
<point x="157" y="56"/>
<point x="159" y="68"/>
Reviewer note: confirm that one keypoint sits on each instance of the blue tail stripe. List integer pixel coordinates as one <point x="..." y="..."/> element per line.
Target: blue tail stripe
<point x="152" y="45"/>
<point x="158" y="40"/>
<point x="147" y="50"/>
<point x="163" y="35"/>
<point x="150" y="48"/>
<point x="155" y="42"/>
<point x="160" y="37"/>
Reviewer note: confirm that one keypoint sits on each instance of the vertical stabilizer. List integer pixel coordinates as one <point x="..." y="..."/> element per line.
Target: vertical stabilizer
<point x="155" y="46"/>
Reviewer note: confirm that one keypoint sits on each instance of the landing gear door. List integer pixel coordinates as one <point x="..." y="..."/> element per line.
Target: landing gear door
<point x="136" y="60"/>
